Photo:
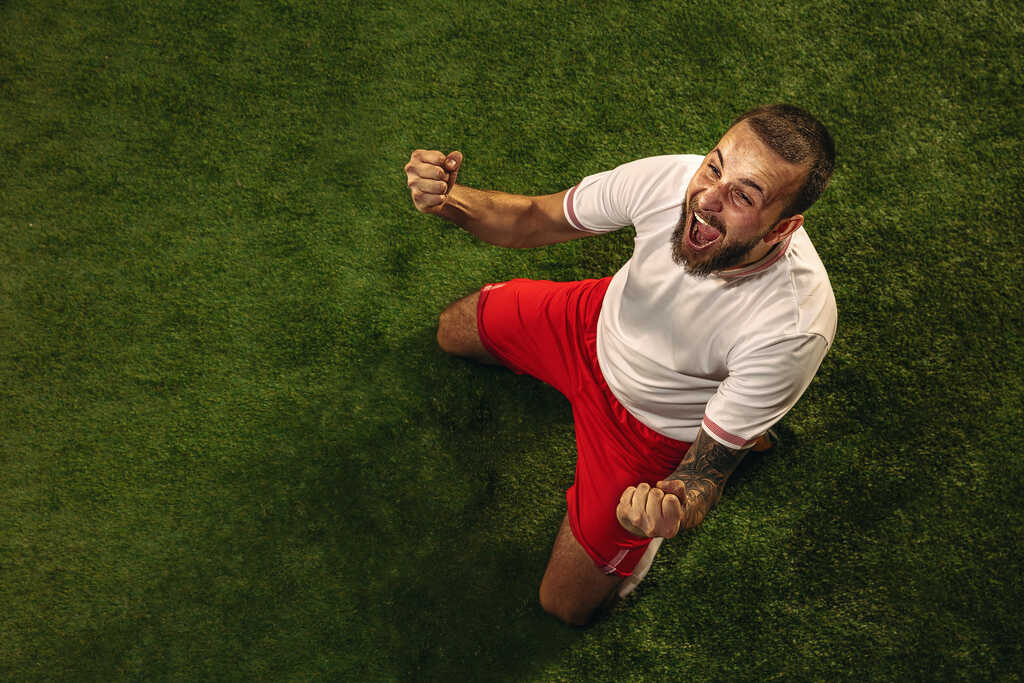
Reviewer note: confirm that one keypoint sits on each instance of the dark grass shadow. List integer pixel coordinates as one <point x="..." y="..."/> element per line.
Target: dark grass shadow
<point x="435" y="532"/>
<point x="470" y="606"/>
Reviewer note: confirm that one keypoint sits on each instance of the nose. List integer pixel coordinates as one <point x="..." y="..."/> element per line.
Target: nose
<point x="710" y="199"/>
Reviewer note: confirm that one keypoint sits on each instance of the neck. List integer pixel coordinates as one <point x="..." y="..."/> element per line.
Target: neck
<point x="757" y="253"/>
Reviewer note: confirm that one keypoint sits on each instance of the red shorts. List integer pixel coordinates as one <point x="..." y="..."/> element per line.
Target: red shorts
<point x="549" y="330"/>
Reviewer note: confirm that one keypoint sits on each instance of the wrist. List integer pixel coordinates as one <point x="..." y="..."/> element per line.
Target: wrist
<point x="456" y="206"/>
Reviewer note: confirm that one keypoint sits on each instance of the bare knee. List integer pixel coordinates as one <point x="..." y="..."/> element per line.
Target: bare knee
<point x="456" y="328"/>
<point x="574" y="589"/>
<point x="457" y="331"/>
<point x="565" y="609"/>
<point x="449" y="334"/>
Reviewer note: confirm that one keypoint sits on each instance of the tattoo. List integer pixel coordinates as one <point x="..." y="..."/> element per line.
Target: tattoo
<point x="704" y="469"/>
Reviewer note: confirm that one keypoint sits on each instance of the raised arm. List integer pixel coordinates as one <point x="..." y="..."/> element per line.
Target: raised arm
<point x="506" y="220"/>
<point x="683" y="499"/>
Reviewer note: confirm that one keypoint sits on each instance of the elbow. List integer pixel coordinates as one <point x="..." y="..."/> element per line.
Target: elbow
<point x="523" y="243"/>
<point x="513" y="240"/>
<point x="529" y="229"/>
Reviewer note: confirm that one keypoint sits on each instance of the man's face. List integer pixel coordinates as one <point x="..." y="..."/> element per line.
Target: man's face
<point x="733" y="203"/>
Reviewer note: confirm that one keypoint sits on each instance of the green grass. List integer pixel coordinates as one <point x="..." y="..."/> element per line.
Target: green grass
<point x="230" y="448"/>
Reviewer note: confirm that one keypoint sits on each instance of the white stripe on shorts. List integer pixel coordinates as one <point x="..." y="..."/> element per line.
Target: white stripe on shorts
<point x="611" y="566"/>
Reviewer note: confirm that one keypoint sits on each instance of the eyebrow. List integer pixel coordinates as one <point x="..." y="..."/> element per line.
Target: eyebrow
<point x="744" y="181"/>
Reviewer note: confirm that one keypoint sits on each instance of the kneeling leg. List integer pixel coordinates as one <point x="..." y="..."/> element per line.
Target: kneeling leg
<point x="457" y="331"/>
<point x="574" y="589"/>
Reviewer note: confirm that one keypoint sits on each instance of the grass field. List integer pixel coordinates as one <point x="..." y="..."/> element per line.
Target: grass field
<point x="230" y="448"/>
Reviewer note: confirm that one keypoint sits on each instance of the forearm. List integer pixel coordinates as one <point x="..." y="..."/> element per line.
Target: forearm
<point x="493" y="217"/>
<point x="703" y="471"/>
<point x="507" y="220"/>
<point x="700" y="495"/>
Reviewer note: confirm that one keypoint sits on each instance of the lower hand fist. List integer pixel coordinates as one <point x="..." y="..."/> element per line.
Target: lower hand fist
<point x="431" y="176"/>
<point x="650" y="512"/>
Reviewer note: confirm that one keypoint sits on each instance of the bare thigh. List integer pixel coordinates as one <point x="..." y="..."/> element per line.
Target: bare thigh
<point x="457" y="331"/>
<point x="573" y="588"/>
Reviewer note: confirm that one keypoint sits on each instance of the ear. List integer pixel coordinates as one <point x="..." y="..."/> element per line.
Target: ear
<point x="784" y="229"/>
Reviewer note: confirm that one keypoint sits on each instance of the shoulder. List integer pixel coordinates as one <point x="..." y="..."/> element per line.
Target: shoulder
<point x="665" y="163"/>
<point x="667" y="168"/>
<point x="813" y="298"/>
<point x="656" y="183"/>
<point x="630" y="192"/>
<point x="791" y="298"/>
<point x="648" y="170"/>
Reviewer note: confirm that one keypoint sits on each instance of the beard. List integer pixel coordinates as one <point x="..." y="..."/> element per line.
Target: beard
<point x="726" y="256"/>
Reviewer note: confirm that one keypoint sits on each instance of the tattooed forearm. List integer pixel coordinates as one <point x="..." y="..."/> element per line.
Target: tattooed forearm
<point x="704" y="469"/>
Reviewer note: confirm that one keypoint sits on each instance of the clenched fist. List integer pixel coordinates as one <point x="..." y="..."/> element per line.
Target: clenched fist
<point x="651" y="512"/>
<point x="431" y="177"/>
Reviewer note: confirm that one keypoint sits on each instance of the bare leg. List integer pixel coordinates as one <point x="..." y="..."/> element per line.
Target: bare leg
<point x="457" y="332"/>
<point x="573" y="588"/>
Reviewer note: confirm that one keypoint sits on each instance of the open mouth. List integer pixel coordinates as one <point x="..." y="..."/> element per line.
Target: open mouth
<point x="701" y="234"/>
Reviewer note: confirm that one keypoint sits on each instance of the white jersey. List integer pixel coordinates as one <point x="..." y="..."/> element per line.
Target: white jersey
<point x="732" y="352"/>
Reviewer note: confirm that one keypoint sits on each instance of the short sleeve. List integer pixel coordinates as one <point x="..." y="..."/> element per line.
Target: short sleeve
<point x="762" y="386"/>
<point x="614" y="199"/>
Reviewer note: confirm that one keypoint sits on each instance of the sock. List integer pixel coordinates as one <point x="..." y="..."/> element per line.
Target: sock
<point x="640" y="571"/>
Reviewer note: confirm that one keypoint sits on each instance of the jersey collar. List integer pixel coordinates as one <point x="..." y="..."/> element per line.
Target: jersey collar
<point x="758" y="266"/>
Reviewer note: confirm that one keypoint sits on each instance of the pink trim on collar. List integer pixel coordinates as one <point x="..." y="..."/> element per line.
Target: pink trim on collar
<point x="766" y="262"/>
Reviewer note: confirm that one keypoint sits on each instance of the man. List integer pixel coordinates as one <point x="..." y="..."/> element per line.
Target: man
<point x="677" y="365"/>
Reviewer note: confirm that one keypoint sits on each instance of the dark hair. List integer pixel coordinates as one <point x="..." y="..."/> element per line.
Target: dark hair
<point x="799" y="138"/>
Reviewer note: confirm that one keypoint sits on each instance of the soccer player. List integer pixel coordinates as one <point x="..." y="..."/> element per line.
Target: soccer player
<point x="682" y="361"/>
